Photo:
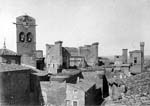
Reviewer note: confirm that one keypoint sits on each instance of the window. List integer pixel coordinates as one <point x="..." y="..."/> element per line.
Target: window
<point x="29" y="37"/>
<point x="117" y="56"/>
<point x="75" y="91"/>
<point x="75" y="103"/>
<point x="21" y="37"/>
<point x="68" y="103"/>
<point x="135" y="60"/>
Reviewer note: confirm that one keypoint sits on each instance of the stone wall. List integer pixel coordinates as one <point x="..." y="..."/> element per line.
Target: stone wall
<point x="89" y="52"/>
<point x="15" y="88"/>
<point x="74" y="94"/>
<point x="54" y="57"/>
<point x="10" y="59"/>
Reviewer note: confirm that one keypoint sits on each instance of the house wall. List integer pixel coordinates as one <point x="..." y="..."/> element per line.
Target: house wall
<point x="10" y="59"/>
<point x="74" y="94"/>
<point x="53" y="94"/>
<point x="15" y="88"/>
<point x="19" y="88"/>
<point x="90" y="96"/>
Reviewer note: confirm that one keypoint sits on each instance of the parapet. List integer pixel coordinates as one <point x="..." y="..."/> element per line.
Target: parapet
<point x="58" y="42"/>
<point x="95" y="43"/>
<point x="142" y="43"/>
<point x="87" y="45"/>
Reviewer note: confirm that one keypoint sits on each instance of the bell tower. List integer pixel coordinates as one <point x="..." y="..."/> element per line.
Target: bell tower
<point x="26" y="39"/>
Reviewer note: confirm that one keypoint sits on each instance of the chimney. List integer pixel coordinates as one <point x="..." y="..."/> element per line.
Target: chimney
<point x="124" y="56"/>
<point x="142" y="55"/>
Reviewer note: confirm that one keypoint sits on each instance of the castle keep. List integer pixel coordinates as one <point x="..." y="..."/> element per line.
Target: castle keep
<point x="58" y="57"/>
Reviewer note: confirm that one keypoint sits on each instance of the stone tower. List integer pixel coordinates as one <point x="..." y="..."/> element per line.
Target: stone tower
<point x="124" y="56"/>
<point x="142" y="55"/>
<point x="26" y="39"/>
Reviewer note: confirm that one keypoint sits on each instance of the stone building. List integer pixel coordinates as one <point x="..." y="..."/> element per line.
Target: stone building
<point x="118" y="59"/>
<point x="58" y="57"/>
<point x="26" y="41"/>
<point x="18" y="86"/>
<point x="80" y="94"/>
<point x="88" y="52"/>
<point x="40" y="60"/>
<point x="122" y="59"/>
<point x="9" y="56"/>
<point x="137" y="59"/>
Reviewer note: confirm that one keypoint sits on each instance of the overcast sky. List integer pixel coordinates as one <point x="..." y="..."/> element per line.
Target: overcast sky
<point x="115" y="24"/>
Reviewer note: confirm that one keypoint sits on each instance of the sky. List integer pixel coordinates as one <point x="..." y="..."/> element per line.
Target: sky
<point x="115" y="24"/>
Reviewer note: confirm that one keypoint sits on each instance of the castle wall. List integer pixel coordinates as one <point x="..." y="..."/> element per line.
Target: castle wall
<point x="90" y="52"/>
<point x="60" y="57"/>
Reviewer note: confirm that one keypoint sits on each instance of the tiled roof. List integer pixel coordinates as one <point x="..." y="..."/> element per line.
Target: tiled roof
<point x="83" y="85"/>
<point x="69" y="72"/>
<point x="5" y="51"/>
<point x="56" y="92"/>
<point x="11" y="67"/>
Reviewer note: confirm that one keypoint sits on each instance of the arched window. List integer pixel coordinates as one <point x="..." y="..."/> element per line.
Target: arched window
<point x="29" y="37"/>
<point x="21" y="37"/>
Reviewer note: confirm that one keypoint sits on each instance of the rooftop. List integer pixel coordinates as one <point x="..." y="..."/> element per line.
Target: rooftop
<point x="11" y="67"/>
<point x="135" y="51"/>
<point x="5" y="51"/>
<point x="83" y="85"/>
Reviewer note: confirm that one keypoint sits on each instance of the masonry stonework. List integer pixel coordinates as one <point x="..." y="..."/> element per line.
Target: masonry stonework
<point x="26" y="39"/>
<point x="61" y="57"/>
